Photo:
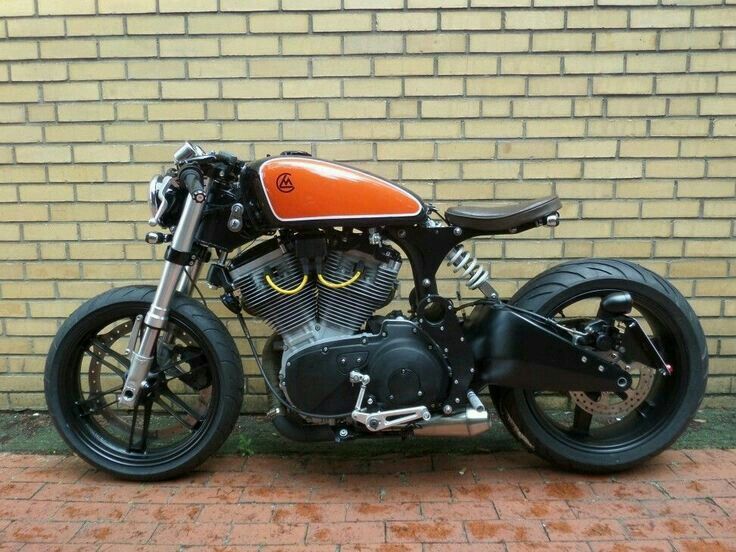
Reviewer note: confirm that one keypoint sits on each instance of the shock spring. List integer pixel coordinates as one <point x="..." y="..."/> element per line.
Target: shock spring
<point x="476" y="275"/>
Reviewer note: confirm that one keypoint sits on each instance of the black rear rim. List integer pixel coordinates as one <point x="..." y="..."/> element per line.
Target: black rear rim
<point x="173" y="414"/>
<point x="606" y="423"/>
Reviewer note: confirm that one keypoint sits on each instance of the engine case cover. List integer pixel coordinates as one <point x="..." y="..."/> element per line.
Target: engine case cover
<point x="403" y="363"/>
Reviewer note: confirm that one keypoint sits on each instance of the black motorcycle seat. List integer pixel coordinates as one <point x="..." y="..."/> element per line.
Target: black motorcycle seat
<point x="503" y="218"/>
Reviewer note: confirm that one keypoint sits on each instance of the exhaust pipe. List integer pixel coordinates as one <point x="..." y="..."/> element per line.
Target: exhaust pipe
<point x="464" y="424"/>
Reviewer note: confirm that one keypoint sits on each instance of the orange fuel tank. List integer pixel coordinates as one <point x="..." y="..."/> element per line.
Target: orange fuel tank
<point x="302" y="191"/>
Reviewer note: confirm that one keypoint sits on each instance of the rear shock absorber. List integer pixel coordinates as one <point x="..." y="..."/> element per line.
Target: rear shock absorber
<point x="473" y="271"/>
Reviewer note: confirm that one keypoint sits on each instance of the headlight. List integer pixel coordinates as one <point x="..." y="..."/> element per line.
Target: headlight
<point x="157" y="199"/>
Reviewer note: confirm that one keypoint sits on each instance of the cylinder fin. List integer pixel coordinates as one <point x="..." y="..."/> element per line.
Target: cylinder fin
<point x="350" y="306"/>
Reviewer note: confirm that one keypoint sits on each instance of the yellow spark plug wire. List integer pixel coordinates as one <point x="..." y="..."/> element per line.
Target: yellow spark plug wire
<point x="283" y="291"/>
<point x="338" y="285"/>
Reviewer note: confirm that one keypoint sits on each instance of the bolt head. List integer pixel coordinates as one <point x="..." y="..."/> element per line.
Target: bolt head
<point x="584" y="359"/>
<point x="457" y="400"/>
<point x="447" y="409"/>
<point x="601" y="368"/>
<point x="419" y="393"/>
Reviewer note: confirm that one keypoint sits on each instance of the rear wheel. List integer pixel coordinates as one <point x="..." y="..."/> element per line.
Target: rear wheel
<point x="193" y="397"/>
<point x="606" y="431"/>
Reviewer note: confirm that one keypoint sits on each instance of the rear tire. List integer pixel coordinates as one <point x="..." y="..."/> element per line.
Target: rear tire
<point x="92" y="424"/>
<point x="674" y="399"/>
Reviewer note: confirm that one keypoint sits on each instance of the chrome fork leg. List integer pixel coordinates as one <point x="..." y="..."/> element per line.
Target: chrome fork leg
<point x="158" y="313"/>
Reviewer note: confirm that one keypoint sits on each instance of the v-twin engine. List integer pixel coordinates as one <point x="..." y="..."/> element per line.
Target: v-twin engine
<point x="277" y="286"/>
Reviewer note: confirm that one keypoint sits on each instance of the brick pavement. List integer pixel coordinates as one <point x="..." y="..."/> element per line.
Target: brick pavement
<point x="683" y="501"/>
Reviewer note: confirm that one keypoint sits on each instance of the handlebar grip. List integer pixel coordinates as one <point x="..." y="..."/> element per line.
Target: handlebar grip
<point x="193" y="182"/>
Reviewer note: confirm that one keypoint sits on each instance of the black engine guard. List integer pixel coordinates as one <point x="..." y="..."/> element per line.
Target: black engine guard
<point x="513" y="348"/>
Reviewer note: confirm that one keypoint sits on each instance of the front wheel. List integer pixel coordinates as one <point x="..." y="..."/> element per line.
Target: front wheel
<point x="191" y="404"/>
<point x="606" y="432"/>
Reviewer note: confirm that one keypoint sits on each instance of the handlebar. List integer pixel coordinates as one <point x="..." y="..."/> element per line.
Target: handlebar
<point x="192" y="180"/>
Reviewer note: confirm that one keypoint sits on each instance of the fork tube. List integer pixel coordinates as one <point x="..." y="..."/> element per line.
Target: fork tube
<point x="158" y="313"/>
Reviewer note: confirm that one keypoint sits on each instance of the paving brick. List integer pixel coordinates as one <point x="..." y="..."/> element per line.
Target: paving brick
<point x="504" y="531"/>
<point x="170" y="513"/>
<point x="209" y="534"/>
<point x="274" y="533"/>
<point x="425" y="531"/>
<point x="486" y="491"/>
<point x="320" y="513"/>
<point x="49" y="532"/>
<point x="114" y="533"/>
<point x="458" y="511"/>
<point x="533" y="509"/>
<point x="557" y="490"/>
<point x="585" y="530"/>
<point x="92" y="511"/>
<point x="699" y="489"/>
<point x="663" y="528"/>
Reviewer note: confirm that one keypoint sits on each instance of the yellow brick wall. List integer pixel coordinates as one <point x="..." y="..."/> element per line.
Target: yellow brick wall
<point x="625" y="108"/>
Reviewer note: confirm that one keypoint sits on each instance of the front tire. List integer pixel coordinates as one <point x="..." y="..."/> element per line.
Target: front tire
<point x="628" y="433"/>
<point x="193" y="403"/>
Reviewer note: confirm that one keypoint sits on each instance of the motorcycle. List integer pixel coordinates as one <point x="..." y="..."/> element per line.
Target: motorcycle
<point x="595" y="365"/>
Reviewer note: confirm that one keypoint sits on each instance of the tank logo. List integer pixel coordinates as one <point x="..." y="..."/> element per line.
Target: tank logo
<point x="283" y="183"/>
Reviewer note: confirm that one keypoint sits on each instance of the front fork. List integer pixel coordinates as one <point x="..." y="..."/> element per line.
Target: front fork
<point x="177" y="276"/>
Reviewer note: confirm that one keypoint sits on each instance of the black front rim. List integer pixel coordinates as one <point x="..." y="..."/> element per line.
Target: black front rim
<point x="585" y="429"/>
<point x="171" y="417"/>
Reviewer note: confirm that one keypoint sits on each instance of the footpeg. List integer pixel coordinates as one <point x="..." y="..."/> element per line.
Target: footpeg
<point x="475" y="402"/>
<point x="377" y="421"/>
